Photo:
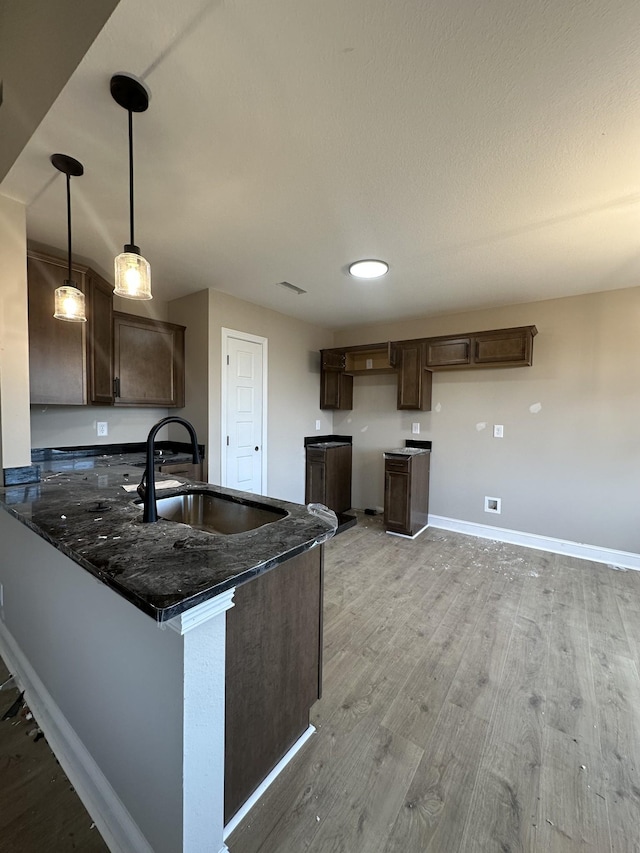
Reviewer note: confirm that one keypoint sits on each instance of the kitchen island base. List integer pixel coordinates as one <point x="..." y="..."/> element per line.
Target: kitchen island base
<point x="135" y="714"/>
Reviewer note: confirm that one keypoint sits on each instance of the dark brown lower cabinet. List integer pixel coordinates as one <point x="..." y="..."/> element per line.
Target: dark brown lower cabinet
<point x="328" y="476"/>
<point x="406" y="492"/>
<point x="273" y="670"/>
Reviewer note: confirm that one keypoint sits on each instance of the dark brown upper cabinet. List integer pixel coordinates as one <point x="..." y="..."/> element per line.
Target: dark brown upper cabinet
<point x="69" y="363"/>
<point x="148" y="362"/>
<point x="414" y="380"/>
<point x="448" y="352"/>
<point x="494" y="348"/>
<point x="336" y="387"/>
<point x="414" y="361"/>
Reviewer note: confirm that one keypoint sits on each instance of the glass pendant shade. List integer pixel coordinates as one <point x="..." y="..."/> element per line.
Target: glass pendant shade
<point x="70" y="304"/>
<point x="132" y="276"/>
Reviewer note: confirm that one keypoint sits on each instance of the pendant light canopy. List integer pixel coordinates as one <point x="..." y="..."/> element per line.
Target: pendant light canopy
<point x="69" y="304"/>
<point x="132" y="271"/>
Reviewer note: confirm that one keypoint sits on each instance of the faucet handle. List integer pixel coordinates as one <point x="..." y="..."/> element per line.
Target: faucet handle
<point x="142" y="485"/>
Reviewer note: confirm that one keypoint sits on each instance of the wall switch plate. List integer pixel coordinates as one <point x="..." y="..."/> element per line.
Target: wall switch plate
<point x="317" y="424"/>
<point x="498" y="430"/>
<point x="102" y="428"/>
<point x="415" y="429"/>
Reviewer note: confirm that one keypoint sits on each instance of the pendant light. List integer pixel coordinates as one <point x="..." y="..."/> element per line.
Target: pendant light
<point x="69" y="304"/>
<point x="132" y="271"/>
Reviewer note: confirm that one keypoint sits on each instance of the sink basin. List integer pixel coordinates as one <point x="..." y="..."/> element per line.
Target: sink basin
<point x="216" y="513"/>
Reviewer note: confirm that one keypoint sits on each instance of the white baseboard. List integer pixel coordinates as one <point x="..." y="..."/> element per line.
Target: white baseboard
<point x="262" y="787"/>
<point x="119" y="831"/>
<point x="406" y="535"/>
<point x="616" y="559"/>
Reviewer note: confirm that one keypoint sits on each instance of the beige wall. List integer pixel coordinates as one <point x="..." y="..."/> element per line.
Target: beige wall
<point x="570" y="470"/>
<point x="293" y="387"/>
<point x="193" y="312"/>
<point x="75" y="426"/>
<point x="15" y="448"/>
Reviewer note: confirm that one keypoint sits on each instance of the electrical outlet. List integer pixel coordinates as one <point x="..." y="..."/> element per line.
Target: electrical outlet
<point x="498" y="431"/>
<point x="318" y="424"/>
<point x="415" y="429"/>
<point x="102" y="428"/>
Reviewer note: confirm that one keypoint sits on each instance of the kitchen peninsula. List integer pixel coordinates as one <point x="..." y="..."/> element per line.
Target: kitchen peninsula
<point x="140" y="645"/>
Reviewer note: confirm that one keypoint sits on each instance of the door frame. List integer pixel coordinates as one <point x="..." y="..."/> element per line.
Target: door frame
<point x="264" y="342"/>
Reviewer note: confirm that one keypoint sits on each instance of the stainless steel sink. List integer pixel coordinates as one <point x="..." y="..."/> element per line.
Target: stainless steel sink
<point x="216" y="513"/>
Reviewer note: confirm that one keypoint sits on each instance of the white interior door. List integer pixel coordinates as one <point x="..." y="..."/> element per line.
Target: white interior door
<point x="244" y="415"/>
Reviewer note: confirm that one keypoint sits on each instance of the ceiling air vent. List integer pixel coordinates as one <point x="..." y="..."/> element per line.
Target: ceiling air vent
<point x="291" y="287"/>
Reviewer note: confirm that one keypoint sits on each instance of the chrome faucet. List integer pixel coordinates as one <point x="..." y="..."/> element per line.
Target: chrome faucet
<point x="147" y="487"/>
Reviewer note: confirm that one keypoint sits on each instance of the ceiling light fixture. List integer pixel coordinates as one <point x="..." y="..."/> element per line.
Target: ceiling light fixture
<point x="132" y="271"/>
<point x="69" y="300"/>
<point x="368" y="269"/>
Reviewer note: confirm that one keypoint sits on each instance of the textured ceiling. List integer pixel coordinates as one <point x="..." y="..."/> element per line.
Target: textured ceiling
<point x="489" y="150"/>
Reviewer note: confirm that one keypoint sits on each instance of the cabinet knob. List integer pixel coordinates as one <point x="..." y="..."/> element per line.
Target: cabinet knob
<point x="256" y="447"/>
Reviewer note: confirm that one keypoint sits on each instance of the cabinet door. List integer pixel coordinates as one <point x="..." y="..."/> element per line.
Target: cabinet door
<point x="273" y="671"/>
<point x="315" y="486"/>
<point x="57" y="348"/>
<point x="100" y="340"/>
<point x="336" y="390"/>
<point x="505" y="347"/>
<point x="333" y="359"/>
<point x="448" y="352"/>
<point x="338" y="478"/>
<point x="148" y="362"/>
<point x="414" y="382"/>
<point x="397" y="495"/>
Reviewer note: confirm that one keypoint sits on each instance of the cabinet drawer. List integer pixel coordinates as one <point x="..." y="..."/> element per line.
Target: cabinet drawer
<point x="397" y="463"/>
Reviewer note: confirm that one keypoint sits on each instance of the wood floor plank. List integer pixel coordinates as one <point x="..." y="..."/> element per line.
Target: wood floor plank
<point x="414" y="711"/>
<point x="432" y="818"/>
<point x="617" y="688"/>
<point x="573" y="809"/>
<point x="606" y="629"/>
<point x="360" y="817"/>
<point x="503" y="810"/>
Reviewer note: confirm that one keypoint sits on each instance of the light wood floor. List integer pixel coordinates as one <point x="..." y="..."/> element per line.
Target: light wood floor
<point x="477" y="697"/>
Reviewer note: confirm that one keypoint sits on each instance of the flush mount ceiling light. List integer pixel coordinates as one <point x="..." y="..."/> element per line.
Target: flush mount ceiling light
<point x="132" y="271"/>
<point x="69" y="303"/>
<point x="368" y="269"/>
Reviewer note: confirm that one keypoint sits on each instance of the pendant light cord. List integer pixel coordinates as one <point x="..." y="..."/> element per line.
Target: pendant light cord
<point x="69" y="226"/>
<point x="131" y="177"/>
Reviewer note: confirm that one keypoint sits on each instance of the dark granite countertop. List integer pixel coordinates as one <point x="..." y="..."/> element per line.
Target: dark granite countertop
<point x="406" y="451"/>
<point x="165" y="568"/>
<point x="325" y="445"/>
